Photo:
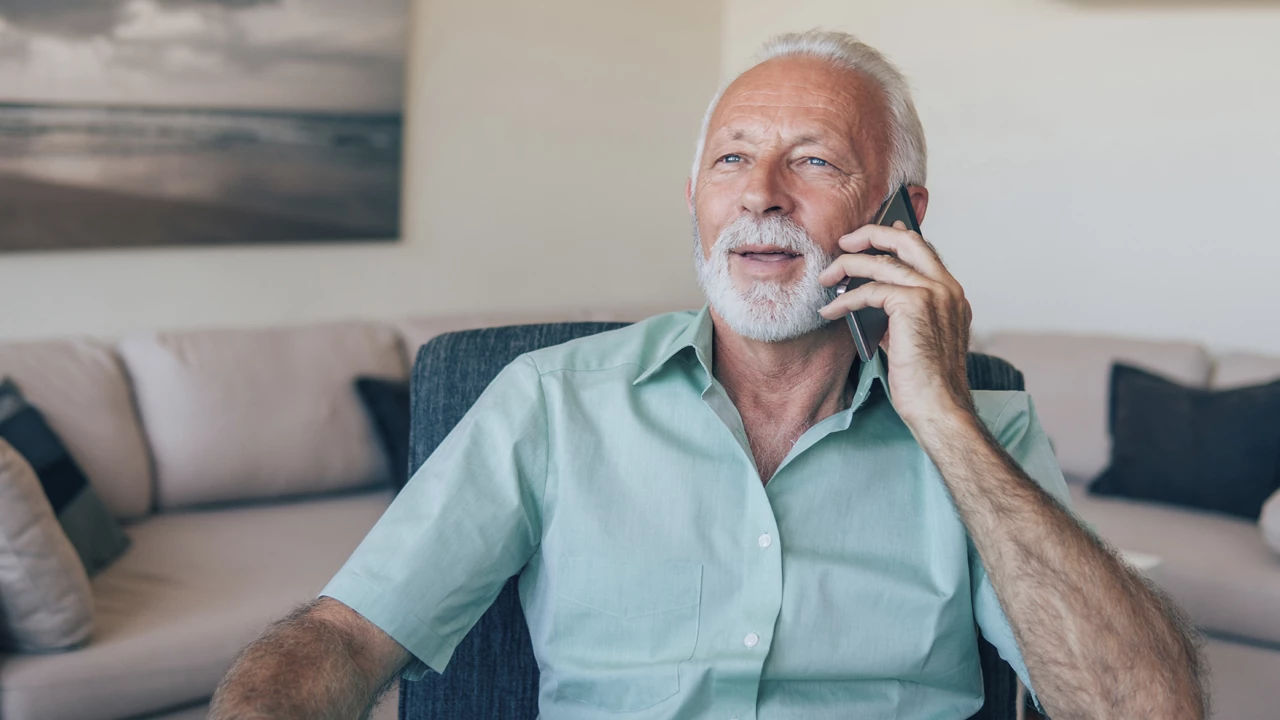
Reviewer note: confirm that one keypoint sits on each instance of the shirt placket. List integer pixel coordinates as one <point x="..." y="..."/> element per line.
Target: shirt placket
<point x="748" y="637"/>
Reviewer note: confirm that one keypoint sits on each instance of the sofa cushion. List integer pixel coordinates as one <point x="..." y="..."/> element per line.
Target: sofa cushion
<point x="264" y="413"/>
<point x="1215" y="566"/>
<point x="86" y="522"/>
<point x="45" y="601"/>
<point x="173" y="613"/>
<point x="1242" y="679"/>
<point x="1068" y="375"/>
<point x="81" y="389"/>
<point x="1208" y="449"/>
<point x="1236" y="369"/>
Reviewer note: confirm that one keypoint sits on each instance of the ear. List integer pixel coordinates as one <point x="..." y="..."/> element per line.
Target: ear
<point x="688" y="194"/>
<point x="919" y="200"/>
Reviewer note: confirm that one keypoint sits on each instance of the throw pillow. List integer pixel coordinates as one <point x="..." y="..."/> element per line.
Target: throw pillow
<point x="90" y="527"/>
<point x="387" y="402"/>
<point x="1269" y="521"/>
<point x="45" y="599"/>
<point x="1213" y="450"/>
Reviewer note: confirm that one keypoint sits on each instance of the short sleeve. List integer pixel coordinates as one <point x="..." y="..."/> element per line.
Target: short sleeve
<point x="468" y="519"/>
<point x="1018" y="431"/>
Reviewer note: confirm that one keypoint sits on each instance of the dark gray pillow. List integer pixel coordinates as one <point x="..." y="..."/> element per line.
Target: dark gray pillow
<point x="90" y="527"/>
<point x="387" y="402"/>
<point x="1212" y="450"/>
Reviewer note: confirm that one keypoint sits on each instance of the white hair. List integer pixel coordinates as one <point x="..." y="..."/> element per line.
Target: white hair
<point x="906" y="135"/>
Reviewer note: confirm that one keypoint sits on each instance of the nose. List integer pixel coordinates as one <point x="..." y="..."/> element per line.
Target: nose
<point x="765" y="192"/>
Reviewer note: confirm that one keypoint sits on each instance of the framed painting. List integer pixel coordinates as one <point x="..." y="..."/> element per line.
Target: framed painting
<point x="127" y="123"/>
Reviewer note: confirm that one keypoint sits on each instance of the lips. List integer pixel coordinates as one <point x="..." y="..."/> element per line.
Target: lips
<point x="765" y="253"/>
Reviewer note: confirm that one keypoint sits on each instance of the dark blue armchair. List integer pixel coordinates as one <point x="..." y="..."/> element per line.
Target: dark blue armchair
<point x="493" y="673"/>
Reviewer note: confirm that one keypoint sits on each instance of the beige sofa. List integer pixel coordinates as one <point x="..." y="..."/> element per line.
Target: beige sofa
<point x="245" y="470"/>
<point x="1217" y="567"/>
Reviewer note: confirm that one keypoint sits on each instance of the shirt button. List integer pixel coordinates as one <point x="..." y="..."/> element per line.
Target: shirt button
<point x="764" y="540"/>
<point x="751" y="640"/>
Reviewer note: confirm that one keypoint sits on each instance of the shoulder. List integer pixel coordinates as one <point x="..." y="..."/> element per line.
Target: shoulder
<point x="1010" y="416"/>
<point x="1003" y="410"/>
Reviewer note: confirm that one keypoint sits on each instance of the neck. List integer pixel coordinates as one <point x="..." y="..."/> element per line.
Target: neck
<point x="797" y="381"/>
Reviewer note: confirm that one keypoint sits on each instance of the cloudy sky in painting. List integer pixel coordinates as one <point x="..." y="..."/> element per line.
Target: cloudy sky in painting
<point x="284" y="54"/>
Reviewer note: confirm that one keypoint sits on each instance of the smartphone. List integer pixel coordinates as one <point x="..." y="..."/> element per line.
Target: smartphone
<point x="868" y="325"/>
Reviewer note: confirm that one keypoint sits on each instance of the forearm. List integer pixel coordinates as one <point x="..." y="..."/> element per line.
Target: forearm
<point x="1098" y="642"/>
<point x="303" y="667"/>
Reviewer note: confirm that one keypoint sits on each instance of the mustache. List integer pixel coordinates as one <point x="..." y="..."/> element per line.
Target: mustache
<point x="778" y="230"/>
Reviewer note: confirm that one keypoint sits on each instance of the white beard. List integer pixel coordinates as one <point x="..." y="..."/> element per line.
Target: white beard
<point x="765" y="311"/>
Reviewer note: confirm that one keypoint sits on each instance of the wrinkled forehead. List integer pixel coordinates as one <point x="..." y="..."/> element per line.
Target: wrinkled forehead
<point x="802" y="96"/>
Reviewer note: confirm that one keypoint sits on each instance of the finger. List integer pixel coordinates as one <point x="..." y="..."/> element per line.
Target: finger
<point x="905" y="243"/>
<point x="882" y="268"/>
<point x="909" y="246"/>
<point x="874" y="294"/>
<point x="887" y="268"/>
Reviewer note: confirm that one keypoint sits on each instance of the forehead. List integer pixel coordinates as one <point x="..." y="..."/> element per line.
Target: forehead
<point x="801" y="96"/>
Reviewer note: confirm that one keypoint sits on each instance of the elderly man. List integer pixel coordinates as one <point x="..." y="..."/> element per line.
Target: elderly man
<point x="726" y="513"/>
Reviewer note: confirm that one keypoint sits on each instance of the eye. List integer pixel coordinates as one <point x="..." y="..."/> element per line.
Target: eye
<point x="730" y="158"/>
<point x="817" y="162"/>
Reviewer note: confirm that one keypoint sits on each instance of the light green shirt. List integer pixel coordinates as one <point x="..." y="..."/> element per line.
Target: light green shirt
<point x="660" y="577"/>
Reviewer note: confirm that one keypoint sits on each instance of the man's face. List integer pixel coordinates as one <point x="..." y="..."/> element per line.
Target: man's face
<point x="795" y="157"/>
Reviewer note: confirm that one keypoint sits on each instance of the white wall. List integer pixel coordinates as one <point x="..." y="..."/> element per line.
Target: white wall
<point x="1097" y="166"/>
<point x="548" y="145"/>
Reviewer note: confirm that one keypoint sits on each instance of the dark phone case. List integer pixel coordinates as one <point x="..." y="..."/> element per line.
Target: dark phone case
<point x="868" y="325"/>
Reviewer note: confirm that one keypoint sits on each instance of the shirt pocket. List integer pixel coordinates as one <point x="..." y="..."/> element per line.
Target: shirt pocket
<point x="623" y="628"/>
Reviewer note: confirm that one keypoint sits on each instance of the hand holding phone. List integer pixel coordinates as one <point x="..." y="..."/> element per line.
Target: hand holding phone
<point x="869" y="324"/>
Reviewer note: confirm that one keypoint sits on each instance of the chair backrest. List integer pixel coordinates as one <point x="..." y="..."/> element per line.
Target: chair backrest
<point x="493" y="673"/>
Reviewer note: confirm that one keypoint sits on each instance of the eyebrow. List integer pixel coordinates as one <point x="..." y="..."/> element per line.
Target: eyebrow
<point x="850" y="158"/>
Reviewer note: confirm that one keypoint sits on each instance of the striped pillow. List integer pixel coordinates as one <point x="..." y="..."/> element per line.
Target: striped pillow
<point x="93" y="532"/>
<point x="46" y="602"/>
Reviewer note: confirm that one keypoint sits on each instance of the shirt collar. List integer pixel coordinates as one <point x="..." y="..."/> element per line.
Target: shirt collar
<point x="868" y="374"/>
<point x="698" y="333"/>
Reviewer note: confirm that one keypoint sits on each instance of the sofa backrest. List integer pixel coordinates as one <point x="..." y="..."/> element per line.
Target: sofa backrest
<point x="81" y="389"/>
<point x="1239" y="369"/>
<point x="1068" y="377"/>
<point x="260" y="413"/>
<point x="284" y="420"/>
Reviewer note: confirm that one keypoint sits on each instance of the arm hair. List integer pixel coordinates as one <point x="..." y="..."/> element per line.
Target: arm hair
<point x="322" y="661"/>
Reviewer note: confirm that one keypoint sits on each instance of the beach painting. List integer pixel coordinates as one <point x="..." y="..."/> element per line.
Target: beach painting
<point x="130" y="123"/>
